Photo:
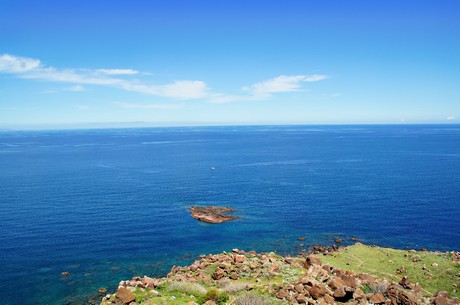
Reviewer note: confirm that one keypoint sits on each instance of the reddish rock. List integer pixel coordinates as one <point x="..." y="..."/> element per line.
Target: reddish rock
<point x="338" y="272"/>
<point x="212" y="214"/>
<point x="329" y="299"/>
<point x="317" y="291"/>
<point x="125" y="295"/>
<point x="218" y="274"/>
<point x="336" y="283"/>
<point x="239" y="258"/>
<point x="321" y="301"/>
<point x="299" y="288"/>
<point x="343" y="294"/>
<point x="349" y="280"/>
<point x="210" y="302"/>
<point x="339" y="293"/>
<point x="440" y="301"/>
<point x="377" y="298"/>
<point x="281" y="294"/>
<point x="407" y="298"/>
<point x="150" y="282"/>
<point x="444" y="294"/>
<point x="405" y="282"/>
<point x="301" y="298"/>
<point x="366" y="278"/>
<point x="289" y="260"/>
<point x="400" y="297"/>
<point x="273" y="269"/>
<point x="310" y="261"/>
<point x="307" y="281"/>
<point x="359" y="294"/>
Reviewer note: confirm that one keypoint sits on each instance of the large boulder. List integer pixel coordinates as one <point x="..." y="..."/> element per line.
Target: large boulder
<point x="377" y="298"/>
<point x="311" y="260"/>
<point x="399" y="296"/>
<point x="124" y="295"/>
<point x="336" y="283"/>
<point x="317" y="291"/>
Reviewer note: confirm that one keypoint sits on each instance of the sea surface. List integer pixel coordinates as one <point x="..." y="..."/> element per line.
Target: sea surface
<point x="108" y="204"/>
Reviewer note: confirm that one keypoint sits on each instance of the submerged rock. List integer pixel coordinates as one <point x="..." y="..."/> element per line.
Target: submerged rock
<point x="212" y="214"/>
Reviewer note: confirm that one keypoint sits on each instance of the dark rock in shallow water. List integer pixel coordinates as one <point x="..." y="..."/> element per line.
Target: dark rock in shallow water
<point x="212" y="214"/>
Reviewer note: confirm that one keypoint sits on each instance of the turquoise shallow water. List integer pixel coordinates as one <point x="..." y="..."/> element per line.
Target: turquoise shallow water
<point x="109" y="204"/>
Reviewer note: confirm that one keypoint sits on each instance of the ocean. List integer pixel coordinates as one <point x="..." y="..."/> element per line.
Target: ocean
<point x="108" y="204"/>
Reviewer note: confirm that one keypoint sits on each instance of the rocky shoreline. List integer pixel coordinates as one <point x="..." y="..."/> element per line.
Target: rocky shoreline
<point x="268" y="278"/>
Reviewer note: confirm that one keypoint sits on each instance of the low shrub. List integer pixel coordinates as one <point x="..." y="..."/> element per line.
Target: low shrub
<point x="213" y="294"/>
<point x="252" y="299"/>
<point x="187" y="287"/>
<point x="378" y="287"/>
<point x="234" y="287"/>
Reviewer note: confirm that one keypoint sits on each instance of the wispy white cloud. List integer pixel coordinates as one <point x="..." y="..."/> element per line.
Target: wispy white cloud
<point x="450" y="118"/>
<point x="117" y="71"/>
<point x="82" y="107"/>
<point x="265" y="89"/>
<point x="315" y="78"/>
<point x="16" y="64"/>
<point x="76" y="88"/>
<point x="149" y="106"/>
<point x="218" y="98"/>
<point x="282" y="83"/>
<point x="30" y="68"/>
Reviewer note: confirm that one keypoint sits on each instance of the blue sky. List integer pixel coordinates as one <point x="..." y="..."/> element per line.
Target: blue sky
<point x="77" y="63"/>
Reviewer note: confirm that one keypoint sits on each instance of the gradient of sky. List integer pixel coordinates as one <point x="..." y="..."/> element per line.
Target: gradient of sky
<point x="66" y="63"/>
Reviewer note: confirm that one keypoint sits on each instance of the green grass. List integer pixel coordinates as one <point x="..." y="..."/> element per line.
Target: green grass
<point x="383" y="263"/>
<point x="380" y="262"/>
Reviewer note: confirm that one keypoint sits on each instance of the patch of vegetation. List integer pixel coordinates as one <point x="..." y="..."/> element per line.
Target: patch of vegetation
<point x="434" y="271"/>
<point x="141" y="296"/>
<point x="214" y="294"/>
<point x="252" y="299"/>
<point x="188" y="288"/>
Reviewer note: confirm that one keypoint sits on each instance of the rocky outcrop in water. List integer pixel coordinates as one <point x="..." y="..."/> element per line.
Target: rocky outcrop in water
<point x="212" y="214"/>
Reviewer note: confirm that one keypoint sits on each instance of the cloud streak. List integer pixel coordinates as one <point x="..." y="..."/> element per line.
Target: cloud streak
<point x="14" y="64"/>
<point x="149" y="106"/>
<point x="265" y="89"/>
<point x="29" y="68"/>
<point x="33" y="69"/>
<point x="117" y="71"/>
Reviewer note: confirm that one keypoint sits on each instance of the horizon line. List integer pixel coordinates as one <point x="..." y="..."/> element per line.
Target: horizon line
<point x="126" y="125"/>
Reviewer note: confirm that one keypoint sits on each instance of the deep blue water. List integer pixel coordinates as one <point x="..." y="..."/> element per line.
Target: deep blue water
<point x="108" y="204"/>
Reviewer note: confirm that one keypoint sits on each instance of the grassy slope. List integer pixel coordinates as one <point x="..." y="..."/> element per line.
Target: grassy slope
<point x="383" y="263"/>
<point x="380" y="262"/>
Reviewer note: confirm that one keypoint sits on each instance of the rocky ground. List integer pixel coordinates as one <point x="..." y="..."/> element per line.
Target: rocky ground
<point x="244" y="278"/>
